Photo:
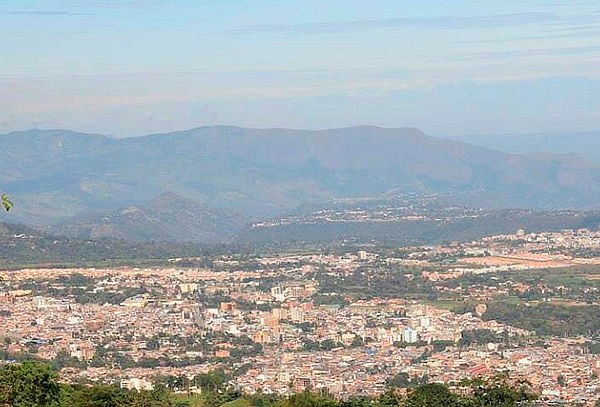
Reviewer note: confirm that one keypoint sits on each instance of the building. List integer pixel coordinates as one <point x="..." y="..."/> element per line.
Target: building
<point x="409" y="335"/>
<point x="227" y="306"/>
<point x="82" y="351"/>
<point x="135" y="383"/>
<point x="262" y="337"/>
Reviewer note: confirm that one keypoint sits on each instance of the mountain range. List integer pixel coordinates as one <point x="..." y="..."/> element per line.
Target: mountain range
<point x="92" y="185"/>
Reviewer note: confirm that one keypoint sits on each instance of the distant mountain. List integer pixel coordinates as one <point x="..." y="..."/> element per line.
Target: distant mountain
<point x="584" y="143"/>
<point x="53" y="175"/>
<point x="169" y="218"/>
<point x="21" y="246"/>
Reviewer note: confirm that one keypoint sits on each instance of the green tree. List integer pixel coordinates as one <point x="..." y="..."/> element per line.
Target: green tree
<point x="259" y="399"/>
<point x="97" y="396"/>
<point x="390" y="398"/>
<point x="401" y="380"/>
<point x="28" y="384"/>
<point x="357" y="342"/>
<point x="158" y="397"/>
<point x="497" y="392"/>
<point x="212" y="399"/>
<point x="355" y="402"/>
<point x="432" y="395"/>
<point x="6" y="202"/>
<point x="215" y="381"/>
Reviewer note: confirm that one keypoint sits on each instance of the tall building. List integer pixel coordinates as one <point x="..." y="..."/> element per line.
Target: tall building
<point x="261" y="337"/>
<point x="278" y="293"/>
<point x="297" y="314"/>
<point x="39" y="303"/>
<point x="410" y="335"/>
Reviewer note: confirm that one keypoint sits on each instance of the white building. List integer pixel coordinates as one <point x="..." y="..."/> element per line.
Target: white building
<point x="410" y="335"/>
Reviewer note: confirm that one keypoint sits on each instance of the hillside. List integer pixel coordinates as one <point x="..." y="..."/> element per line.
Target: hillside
<point x="168" y="217"/>
<point x="53" y="175"/>
<point x="406" y="219"/>
<point x="21" y="245"/>
<point x="423" y="227"/>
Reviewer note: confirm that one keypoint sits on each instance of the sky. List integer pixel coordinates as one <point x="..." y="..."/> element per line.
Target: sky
<point x="133" y="67"/>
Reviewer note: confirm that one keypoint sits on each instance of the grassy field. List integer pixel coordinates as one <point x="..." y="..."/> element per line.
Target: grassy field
<point x="190" y="401"/>
<point x="241" y="402"/>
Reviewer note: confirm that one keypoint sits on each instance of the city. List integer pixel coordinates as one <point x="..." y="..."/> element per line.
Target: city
<point x="287" y="323"/>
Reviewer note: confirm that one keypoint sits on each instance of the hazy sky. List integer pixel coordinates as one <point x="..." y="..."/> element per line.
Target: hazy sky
<point x="128" y="67"/>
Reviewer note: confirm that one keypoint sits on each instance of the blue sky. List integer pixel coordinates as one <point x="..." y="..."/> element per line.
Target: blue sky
<point x="130" y="67"/>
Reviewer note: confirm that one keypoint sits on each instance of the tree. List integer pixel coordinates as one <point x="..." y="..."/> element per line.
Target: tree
<point x="28" y="384"/>
<point x="6" y="202"/>
<point x="401" y="380"/>
<point x="497" y="392"/>
<point x="432" y="395"/>
<point x="259" y="399"/>
<point x="355" y="402"/>
<point x="97" y="396"/>
<point x="390" y="398"/>
<point x="357" y="342"/>
<point x="214" y="381"/>
<point x="158" y="397"/>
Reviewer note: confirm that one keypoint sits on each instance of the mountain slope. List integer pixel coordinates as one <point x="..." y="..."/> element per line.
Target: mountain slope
<point x="53" y="175"/>
<point x="21" y="245"/>
<point x="168" y="218"/>
<point x="422" y="231"/>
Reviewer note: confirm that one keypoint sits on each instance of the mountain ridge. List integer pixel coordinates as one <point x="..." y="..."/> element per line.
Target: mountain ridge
<point x="21" y="246"/>
<point x="167" y="218"/>
<point x="53" y="175"/>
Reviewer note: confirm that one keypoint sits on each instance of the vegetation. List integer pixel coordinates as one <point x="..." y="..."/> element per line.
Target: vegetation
<point x="82" y="289"/>
<point x="547" y="319"/>
<point x="479" y="337"/>
<point x="31" y="384"/>
<point x="403" y="380"/>
<point x="579" y="283"/>
<point x="438" y="229"/>
<point x="169" y="217"/>
<point x="382" y="282"/>
<point x="6" y="202"/>
<point x="22" y="246"/>
<point x="222" y="164"/>
<point x="28" y="384"/>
